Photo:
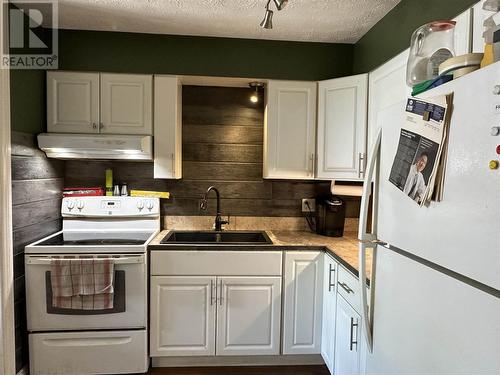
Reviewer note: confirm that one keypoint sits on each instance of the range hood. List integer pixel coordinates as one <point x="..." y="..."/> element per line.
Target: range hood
<point x="96" y="146"/>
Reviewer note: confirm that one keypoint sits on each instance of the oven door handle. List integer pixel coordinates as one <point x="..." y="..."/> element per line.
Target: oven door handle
<point x="37" y="260"/>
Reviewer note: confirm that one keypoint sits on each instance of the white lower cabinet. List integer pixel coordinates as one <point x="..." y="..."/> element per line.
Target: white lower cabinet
<point x="348" y="339"/>
<point x="189" y="314"/>
<point x="248" y="316"/>
<point x="183" y="315"/>
<point x="303" y="301"/>
<point x="329" y="311"/>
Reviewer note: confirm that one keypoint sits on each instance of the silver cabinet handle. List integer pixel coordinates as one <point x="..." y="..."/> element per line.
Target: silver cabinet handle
<point x="101" y="125"/>
<point x="211" y="292"/>
<point x="361" y="164"/>
<point x="352" y="342"/>
<point x="330" y="285"/>
<point x="94" y="125"/>
<point x="346" y="287"/>
<point x="220" y="297"/>
<point x="173" y="164"/>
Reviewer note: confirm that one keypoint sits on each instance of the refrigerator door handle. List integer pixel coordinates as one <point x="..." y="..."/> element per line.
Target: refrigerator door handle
<point x="365" y="314"/>
<point x="363" y="234"/>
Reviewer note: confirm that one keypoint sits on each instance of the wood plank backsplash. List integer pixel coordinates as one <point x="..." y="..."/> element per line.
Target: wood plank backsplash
<point x="222" y="146"/>
<point x="37" y="183"/>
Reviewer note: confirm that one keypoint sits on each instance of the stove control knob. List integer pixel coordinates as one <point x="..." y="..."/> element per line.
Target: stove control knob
<point x="496" y="90"/>
<point x="80" y="205"/>
<point x="140" y="205"/>
<point x="70" y="204"/>
<point x="150" y="205"/>
<point x="495" y="130"/>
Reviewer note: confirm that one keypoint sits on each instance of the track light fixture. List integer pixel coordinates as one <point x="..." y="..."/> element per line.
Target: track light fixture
<point x="267" y="22"/>
<point x="254" y="98"/>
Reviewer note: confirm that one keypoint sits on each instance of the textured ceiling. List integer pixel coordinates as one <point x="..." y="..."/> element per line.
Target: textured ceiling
<point x="334" y="21"/>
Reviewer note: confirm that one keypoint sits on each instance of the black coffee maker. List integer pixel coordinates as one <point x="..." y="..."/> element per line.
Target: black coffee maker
<point x="330" y="216"/>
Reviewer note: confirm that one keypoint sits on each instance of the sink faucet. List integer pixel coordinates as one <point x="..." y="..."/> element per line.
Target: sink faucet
<point x="203" y="205"/>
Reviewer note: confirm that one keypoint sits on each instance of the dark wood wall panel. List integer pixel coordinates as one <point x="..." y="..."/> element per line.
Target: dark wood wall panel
<point x="30" y="213"/>
<point x="37" y="183"/>
<point x="222" y="146"/>
<point x="222" y="152"/>
<point x="217" y="134"/>
<point x="36" y="190"/>
<point x="221" y="171"/>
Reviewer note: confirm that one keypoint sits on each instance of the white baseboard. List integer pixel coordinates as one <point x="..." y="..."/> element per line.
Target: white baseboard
<point x="276" y="360"/>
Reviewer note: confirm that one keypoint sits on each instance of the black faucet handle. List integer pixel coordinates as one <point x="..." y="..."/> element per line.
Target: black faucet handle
<point x="226" y="221"/>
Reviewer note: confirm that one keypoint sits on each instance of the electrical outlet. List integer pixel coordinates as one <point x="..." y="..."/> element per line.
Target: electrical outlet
<point x="311" y="207"/>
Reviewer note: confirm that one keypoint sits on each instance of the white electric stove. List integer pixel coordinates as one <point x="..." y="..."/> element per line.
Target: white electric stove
<point x="111" y="341"/>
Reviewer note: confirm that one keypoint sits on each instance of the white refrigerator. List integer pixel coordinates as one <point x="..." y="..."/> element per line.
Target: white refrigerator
<point x="436" y="274"/>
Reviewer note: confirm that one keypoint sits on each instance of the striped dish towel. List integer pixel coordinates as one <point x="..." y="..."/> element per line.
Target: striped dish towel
<point x="82" y="283"/>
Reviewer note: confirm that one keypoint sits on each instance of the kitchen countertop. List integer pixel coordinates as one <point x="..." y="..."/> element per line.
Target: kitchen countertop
<point x="344" y="249"/>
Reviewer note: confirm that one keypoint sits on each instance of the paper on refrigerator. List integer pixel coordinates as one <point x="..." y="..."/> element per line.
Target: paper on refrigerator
<point x="419" y="157"/>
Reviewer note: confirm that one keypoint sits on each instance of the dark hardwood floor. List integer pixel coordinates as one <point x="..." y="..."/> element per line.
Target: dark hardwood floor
<point x="244" y="370"/>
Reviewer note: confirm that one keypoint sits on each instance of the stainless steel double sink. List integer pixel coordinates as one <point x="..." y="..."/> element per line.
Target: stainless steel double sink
<point x="217" y="237"/>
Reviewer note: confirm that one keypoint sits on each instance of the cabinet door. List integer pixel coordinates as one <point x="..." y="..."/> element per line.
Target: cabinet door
<point x="303" y="302"/>
<point x="248" y="315"/>
<point x="387" y="87"/>
<point x="463" y="33"/>
<point x="478" y="16"/>
<point x="182" y="316"/>
<point x="329" y="310"/>
<point x="126" y="104"/>
<point x="347" y="339"/>
<point x="167" y="127"/>
<point x="289" y="135"/>
<point x="342" y="106"/>
<point x="72" y="102"/>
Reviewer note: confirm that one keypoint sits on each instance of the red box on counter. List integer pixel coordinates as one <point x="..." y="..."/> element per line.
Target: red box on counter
<point x="83" y="192"/>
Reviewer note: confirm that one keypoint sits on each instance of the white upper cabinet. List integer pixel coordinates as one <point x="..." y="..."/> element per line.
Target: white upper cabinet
<point x="168" y="127"/>
<point x="479" y="15"/>
<point x="387" y="87"/>
<point x="289" y="135"/>
<point x="99" y="103"/>
<point x="183" y="315"/>
<point x="303" y="301"/>
<point x="248" y="316"/>
<point x="72" y="102"/>
<point x="463" y="33"/>
<point x="342" y="106"/>
<point x="126" y="104"/>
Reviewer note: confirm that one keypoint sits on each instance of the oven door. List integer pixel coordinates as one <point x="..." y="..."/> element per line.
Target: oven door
<point x="129" y="299"/>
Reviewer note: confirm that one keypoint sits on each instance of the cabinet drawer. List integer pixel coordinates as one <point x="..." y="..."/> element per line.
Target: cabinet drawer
<point x="216" y="263"/>
<point x="98" y="352"/>
<point x="348" y="287"/>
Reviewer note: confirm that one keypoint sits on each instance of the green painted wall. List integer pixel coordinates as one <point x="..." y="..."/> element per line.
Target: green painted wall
<point x="27" y="101"/>
<point x="149" y="53"/>
<point x="391" y="35"/>
<point x="166" y="54"/>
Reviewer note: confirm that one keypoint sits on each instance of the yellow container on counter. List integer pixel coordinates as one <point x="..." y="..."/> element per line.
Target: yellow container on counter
<point x="150" y="194"/>
<point x="109" y="182"/>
